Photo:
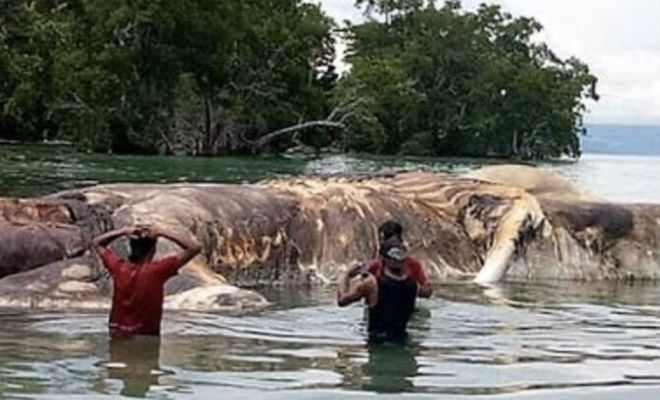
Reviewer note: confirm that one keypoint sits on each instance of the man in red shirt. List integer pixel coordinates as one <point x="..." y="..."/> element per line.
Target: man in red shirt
<point x="392" y="231"/>
<point x="137" y="298"/>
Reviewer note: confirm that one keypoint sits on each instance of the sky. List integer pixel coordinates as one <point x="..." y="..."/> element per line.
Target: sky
<point x="618" y="39"/>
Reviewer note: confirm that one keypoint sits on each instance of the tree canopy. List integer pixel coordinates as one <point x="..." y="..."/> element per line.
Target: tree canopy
<point x="210" y="77"/>
<point x="441" y="81"/>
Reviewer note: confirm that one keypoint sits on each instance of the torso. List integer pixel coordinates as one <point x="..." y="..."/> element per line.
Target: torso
<point x="137" y="301"/>
<point x="395" y="303"/>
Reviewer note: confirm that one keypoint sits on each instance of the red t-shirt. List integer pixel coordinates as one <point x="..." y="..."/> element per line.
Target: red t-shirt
<point x="137" y="298"/>
<point x="411" y="267"/>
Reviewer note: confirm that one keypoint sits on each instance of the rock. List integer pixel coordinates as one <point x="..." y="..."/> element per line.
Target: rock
<point x="77" y="287"/>
<point x="36" y="286"/>
<point x="79" y="272"/>
<point x="219" y="297"/>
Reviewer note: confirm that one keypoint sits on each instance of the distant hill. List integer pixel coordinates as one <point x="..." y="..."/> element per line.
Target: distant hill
<point x="622" y="139"/>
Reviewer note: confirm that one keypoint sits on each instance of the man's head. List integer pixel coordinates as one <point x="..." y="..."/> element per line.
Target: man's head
<point x="390" y="229"/>
<point x="393" y="253"/>
<point x="143" y="248"/>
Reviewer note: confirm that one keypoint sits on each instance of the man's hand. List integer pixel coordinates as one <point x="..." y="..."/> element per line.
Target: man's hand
<point x="190" y="246"/>
<point x="424" y="291"/>
<point x="144" y="230"/>
<point x="355" y="269"/>
<point x="349" y="292"/>
<point x="106" y="238"/>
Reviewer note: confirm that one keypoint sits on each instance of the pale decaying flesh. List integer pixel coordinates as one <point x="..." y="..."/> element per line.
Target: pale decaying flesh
<point x="504" y="222"/>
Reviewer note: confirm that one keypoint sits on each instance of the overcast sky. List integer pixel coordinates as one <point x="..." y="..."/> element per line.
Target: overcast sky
<point x="618" y="39"/>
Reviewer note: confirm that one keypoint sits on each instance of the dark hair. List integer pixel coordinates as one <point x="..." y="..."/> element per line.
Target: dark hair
<point x="390" y="229"/>
<point x="140" y="248"/>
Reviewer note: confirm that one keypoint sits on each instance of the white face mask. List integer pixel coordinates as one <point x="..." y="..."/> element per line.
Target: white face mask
<point x="396" y="253"/>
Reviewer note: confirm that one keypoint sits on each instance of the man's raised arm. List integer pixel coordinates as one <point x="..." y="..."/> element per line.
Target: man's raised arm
<point x="349" y="294"/>
<point x="102" y="241"/>
<point x="100" y="244"/>
<point x="417" y="272"/>
<point x="190" y="247"/>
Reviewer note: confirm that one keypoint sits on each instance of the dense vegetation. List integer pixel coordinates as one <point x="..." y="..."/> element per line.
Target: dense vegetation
<point x="214" y="77"/>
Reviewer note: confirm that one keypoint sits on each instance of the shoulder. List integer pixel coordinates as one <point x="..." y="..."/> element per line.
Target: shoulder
<point x="169" y="260"/>
<point x="415" y="270"/>
<point x="412" y="262"/>
<point x="162" y="263"/>
<point x="108" y="256"/>
<point x="374" y="265"/>
<point x="165" y="267"/>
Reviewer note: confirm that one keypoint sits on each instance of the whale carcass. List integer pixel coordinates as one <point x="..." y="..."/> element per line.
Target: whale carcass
<point x="506" y="222"/>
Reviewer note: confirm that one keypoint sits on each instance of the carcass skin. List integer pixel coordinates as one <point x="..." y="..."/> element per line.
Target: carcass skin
<point x="506" y="222"/>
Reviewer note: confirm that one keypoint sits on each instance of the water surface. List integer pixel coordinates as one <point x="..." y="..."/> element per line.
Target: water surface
<point x="540" y="341"/>
<point x="38" y="170"/>
<point x="554" y="340"/>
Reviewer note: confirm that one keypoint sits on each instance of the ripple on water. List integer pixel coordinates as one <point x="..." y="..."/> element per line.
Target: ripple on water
<point x="464" y="345"/>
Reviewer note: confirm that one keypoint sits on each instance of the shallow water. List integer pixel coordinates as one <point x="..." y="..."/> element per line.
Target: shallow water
<point x="524" y="341"/>
<point x="541" y="341"/>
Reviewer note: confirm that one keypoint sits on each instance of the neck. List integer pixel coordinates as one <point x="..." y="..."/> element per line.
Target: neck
<point x="396" y="274"/>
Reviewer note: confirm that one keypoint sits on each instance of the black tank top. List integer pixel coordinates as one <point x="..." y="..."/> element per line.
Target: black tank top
<point x="396" y="302"/>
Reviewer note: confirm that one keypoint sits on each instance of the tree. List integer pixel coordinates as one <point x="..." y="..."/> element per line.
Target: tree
<point x="29" y="34"/>
<point x="210" y="77"/>
<point x="442" y="81"/>
<point x="201" y="76"/>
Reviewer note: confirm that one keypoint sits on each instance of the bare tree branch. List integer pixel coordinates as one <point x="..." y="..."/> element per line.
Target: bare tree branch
<point x="267" y="138"/>
<point x="345" y="106"/>
<point x="346" y="109"/>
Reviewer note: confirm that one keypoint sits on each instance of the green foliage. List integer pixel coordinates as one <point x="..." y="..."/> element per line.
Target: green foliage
<point x="103" y="73"/>
<point x="212" y="77"/>
<point x="29" y="35"/>
<point x="445" y="82"/>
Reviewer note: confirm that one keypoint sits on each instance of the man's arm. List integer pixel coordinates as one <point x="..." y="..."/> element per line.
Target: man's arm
<point x="102" y="241"/>
<point x="348" y="293"/>
<point x="190" y="247"/>
<point x="108" y="257"/>
<point x="424" y="289"/>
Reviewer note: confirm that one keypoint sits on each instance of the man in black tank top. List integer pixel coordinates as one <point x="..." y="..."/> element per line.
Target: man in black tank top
<point x="390" y="297"/>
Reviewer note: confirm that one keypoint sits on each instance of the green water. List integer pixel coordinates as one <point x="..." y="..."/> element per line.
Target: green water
<point x="523" y="341"/>
<point x="39" y="170"/>
<point x="31" y="170"/>
<point x="541" y="341"/>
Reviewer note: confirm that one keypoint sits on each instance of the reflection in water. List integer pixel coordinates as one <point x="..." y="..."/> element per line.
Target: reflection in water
<point x="135" y="361"/>
<point x="390" y="368"/>
<point x="551" y="340"/>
